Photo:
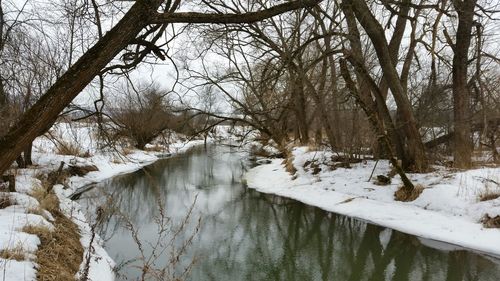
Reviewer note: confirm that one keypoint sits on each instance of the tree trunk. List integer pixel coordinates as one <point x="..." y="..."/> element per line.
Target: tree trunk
<point x="367" y="87"/>
<point x="461" y="96"/>
<point x="20" y="161"/>
<point x="375" y="122"/>
<point x="3" y="95"/>
<point x="415" y="148"/>
<point x="27" y="154"/>
<point x="299" y="103"/>
<point x="46" y="110"/>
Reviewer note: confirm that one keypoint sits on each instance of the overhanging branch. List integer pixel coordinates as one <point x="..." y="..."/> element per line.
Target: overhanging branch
<point x="249" y="17"/>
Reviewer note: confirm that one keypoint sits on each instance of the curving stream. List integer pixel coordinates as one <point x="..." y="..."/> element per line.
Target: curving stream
<point x="246" y="235"/>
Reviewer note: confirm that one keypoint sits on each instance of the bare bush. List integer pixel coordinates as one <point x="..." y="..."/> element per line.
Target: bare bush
<point x="144" y="113"/>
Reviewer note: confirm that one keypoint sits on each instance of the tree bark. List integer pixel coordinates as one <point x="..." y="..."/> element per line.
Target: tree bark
<point x="376" y="125"/>
<point x="415" y="148"/>
<point x="299" y="105"/>
<point x="461" y="96"/>
<point x="366" y="89"/>
<point x="45" y="111"/>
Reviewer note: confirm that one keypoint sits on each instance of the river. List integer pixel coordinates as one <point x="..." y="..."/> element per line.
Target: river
<point x="235" y="233"/>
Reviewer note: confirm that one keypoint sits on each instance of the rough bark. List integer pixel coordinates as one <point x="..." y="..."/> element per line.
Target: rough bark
<point x="365" y="90"/>
<point x="375" y="122"/>
<point x="461" y="96"/>
<point x="415" y="148"/>
<point x="299" y="105"/>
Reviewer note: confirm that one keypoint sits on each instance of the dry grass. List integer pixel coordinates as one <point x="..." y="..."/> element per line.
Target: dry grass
<point x="313" y="147"/>
<point x="6" y="201"/>
<point x="490" y="189"/>
<point x="48" y="200"/>
<point x="489" y="195"/>
<point x="289" y="167"/>
<point x="288" y="162"/>
<point x="65" y="148"/>
<point x="81" y="170"/>
<point x="38" y="211"/>
<point x="491" y="222"/>
<point x="127" y="150"/>
<point x="155" y="148"/>
<point x="60" y="253"/>
<point x="402" y="194"/>
<point x="259" y="151"/>
<point x="116" y="160"/>
<point x="17" y="253"/>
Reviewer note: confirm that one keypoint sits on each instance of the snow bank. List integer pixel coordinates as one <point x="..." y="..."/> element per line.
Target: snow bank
<point x="109" y="164"/>
<point x="448" y="209"/>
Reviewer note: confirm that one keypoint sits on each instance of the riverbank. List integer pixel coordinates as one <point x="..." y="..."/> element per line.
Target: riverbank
<point x="448" y="210"/>
<point x="21" y="210"/>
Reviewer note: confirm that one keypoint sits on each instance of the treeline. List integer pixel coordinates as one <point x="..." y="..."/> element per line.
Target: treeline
<point x="402" y="79"/>
<point x="398" y="79"/>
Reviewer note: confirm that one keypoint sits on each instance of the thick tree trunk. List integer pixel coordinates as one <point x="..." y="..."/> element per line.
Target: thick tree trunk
<point x="415" y="148"/>
<point x="375" y="122"/>
<point x="299" y="103"/>
<point x="3" y="95"/>
<point x="46" y="110"/>
<point x="367" y="87"/>
<point x="27" y="154"/>
<point x="461" y="96"/>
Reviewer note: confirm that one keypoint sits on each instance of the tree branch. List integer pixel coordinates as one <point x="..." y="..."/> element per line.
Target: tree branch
<point x="216" y="18"/>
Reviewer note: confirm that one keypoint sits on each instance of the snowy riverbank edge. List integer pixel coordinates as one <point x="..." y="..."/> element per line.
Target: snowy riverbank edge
<point x="447" y="210"/>
<point x="15" y="217"/>
<point x="101" y="264"/>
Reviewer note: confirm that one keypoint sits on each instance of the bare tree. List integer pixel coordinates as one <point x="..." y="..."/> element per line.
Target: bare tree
<point x="141" y="14"/>
<point x="461" y="95"/>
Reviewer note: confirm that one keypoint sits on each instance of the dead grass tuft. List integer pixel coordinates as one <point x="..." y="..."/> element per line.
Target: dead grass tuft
<point x="402" y="194"/>
<point x="6" y="201"/>
<point x="154" y="148"/>
<point x="491" y="222"/>
<point x="127" y="150"/>
<point x="288" y="162"/>
<point x="38" y="211"/>
<point x="48" y="200"/>
<point x="16" y="253"/>
<point x="489" y="195"/>
<point x="65" y="148"/>
<point x="81" y="170"/>
<point x="259" y="151"/>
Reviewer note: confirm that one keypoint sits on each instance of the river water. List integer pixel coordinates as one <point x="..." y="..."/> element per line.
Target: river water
<point x="246" y="235"/>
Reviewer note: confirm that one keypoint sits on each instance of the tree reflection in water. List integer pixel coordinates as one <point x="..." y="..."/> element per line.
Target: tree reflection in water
<point x="246" y="235"/>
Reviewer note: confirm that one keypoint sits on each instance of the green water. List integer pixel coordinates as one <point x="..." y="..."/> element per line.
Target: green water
<point x="245" y="235"/>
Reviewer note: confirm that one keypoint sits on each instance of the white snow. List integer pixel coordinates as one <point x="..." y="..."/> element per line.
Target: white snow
<point x="448" y="209"/>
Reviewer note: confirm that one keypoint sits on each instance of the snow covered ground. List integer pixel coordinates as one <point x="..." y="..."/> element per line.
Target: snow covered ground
<point x="448" y="209"/>
<point x="20" y="212"/>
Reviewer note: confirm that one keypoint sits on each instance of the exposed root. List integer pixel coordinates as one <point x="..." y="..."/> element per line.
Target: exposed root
<point x="405" y="195"/>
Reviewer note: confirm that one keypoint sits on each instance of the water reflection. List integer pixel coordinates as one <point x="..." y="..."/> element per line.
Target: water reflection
<point x="246" y="235"/>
